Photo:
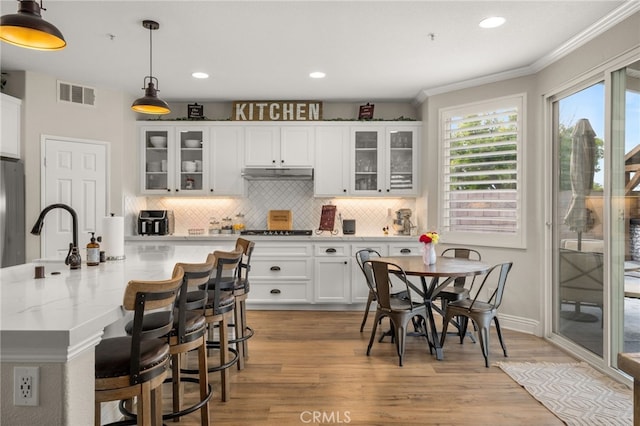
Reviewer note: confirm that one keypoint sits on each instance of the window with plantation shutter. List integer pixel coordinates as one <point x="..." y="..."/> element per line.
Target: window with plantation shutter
<point x="481" y="186"/>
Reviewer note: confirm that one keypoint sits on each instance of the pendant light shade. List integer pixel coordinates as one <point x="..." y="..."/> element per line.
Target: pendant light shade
<point x="27" y="29"/>
<point x="150" y="103"/>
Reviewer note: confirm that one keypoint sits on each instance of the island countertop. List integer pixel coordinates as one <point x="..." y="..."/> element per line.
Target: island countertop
<point x="54" y="318"/>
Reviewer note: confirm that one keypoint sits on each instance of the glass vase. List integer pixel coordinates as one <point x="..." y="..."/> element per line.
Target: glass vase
<point x="429" y="254"/>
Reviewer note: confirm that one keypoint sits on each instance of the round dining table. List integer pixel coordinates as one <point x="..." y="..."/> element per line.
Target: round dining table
<point x="441" y="274"/>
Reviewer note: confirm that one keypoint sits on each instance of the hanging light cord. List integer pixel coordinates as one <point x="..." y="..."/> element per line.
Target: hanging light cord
<point x="150" y="52"/>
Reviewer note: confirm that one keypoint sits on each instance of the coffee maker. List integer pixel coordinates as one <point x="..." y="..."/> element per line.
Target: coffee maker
<point x="402" y="223"/>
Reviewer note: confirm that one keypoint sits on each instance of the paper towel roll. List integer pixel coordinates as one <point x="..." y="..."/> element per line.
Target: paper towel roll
<point x="113" y="237"/>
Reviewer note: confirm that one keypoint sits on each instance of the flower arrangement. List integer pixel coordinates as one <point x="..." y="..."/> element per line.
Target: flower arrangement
<point x="429" y="237"/>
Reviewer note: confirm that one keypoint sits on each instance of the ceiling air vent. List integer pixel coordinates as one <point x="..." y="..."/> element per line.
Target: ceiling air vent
<point x="74" y="93"/>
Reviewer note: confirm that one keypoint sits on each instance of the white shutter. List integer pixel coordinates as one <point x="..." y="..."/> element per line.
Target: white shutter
<point x="481" y="176"/>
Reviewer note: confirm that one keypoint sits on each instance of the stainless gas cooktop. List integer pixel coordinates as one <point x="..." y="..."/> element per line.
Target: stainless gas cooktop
<point x="289" y="233"/>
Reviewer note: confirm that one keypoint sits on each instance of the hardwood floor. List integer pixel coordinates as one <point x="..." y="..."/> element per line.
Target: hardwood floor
<point x="313" y="363"/>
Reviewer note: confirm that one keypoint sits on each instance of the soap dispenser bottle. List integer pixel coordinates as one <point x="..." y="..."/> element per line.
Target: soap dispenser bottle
<point x="93" y="251"/>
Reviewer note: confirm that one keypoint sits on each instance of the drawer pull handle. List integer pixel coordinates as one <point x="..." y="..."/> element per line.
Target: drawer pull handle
<point x="275" y="291"/>
<point x="275" y="268"/>
<point x="330" y="250"/>
<point x="405" y="251"/>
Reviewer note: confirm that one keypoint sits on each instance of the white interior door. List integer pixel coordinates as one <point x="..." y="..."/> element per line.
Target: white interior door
<point x="75" y="173"/>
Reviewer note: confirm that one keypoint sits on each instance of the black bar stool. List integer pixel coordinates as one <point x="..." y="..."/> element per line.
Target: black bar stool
<point x="187" y="334"/>
<point x="136" y="365"/>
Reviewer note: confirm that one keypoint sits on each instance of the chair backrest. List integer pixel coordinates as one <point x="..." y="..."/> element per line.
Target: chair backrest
<point x="382" y="272"/>
<point x="361" y="257"/>
<point x="245" y="264"/>
<point x="462" y="253"/>
<point x="224" y="261"/>
<point x="496" y="277"/>
<point x="195" y="274"/>
<point x="142" y="297"/>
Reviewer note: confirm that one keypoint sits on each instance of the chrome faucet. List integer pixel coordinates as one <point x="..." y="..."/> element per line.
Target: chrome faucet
<point x="73" y="258"/>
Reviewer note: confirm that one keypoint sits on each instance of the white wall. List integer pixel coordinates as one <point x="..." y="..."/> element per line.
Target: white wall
<point x="110" y="121"/>
<point x="524" y="301"/>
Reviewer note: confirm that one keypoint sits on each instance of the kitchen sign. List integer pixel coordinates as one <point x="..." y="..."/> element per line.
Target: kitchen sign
<point x="277" y="111"/>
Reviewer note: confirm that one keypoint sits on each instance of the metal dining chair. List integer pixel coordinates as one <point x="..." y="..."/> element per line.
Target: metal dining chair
<point x="481" y="311"/>
<point x="399" y="310"/>
<point x="361" y="257"/>
<point x="462" y="286"/>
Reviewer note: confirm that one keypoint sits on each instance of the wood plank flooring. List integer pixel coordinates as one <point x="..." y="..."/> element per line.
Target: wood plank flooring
<point x="311" y="367"/>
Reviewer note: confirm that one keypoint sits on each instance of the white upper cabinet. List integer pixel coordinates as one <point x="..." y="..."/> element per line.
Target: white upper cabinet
<point x="157" y="160"/>
<point x="192" y="160"/>
<point x="192" y="167"/>
<point x="10" y="133"/>
<point x="279" y="146"/>
<point x="332" y="161"/>
<point x="174" y="160"/>
<point x="384" y="160"/>
<point x="226" y="157"/>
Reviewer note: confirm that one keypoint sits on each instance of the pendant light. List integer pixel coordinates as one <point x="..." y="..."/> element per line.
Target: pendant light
<point x="150" y="103"/>
<point x="27" y="28"/>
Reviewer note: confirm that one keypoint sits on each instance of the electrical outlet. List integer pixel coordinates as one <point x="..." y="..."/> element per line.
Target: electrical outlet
<point x="26" y="383"/>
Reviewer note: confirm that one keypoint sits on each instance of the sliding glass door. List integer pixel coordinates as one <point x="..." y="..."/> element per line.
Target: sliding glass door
<point x="596" y="215"/>
<point x="578" y="245"/>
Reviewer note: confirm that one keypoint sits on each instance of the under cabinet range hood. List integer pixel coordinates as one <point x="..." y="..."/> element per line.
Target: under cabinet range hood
<point x="277" y="173"/>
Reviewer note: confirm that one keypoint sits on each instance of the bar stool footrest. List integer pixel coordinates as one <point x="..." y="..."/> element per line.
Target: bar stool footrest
<point x="169" y="416"/>
<point x="248" y="334"/>
<point x="212" y="369"/>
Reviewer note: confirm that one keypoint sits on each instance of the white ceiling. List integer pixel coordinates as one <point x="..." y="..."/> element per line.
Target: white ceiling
<point x="264" y="50"/>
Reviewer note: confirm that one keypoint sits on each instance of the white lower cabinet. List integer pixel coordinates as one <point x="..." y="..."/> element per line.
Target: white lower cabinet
<point x="281" y="273"/>
<point x="331" y="278"/>
<point x="406" y="249"/>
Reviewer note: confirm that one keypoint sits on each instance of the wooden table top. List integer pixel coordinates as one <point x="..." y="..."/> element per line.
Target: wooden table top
<point x="444" y="266"/>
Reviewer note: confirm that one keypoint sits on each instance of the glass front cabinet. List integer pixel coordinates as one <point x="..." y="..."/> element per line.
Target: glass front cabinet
<point x="174" y="160"/>
<point x="384" y="160"/>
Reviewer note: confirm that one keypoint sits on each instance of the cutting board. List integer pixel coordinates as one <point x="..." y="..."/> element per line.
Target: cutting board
<point x="280" y="220"/>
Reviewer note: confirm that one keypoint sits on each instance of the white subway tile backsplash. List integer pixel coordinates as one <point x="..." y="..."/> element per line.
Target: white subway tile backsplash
<point x="371" y="214"/>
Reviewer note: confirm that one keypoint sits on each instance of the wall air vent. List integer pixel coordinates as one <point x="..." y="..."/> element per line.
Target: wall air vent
<point x="76" y="94"/>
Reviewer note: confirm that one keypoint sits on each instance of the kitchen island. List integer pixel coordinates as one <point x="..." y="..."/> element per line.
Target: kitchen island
<point x="55" y="322"/>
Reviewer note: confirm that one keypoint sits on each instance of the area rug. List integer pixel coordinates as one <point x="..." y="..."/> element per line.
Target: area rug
<point x="576" y="393"/>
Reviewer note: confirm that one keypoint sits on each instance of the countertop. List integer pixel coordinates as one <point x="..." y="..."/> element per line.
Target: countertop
<point x="54" y="318"/>
<point x="324" y="237"/>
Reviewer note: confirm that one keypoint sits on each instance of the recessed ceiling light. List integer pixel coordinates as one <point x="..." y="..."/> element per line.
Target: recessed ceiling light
<point x="198" y="74"/>
<point x="492" y="22"/>
<point x="317" y="74"/>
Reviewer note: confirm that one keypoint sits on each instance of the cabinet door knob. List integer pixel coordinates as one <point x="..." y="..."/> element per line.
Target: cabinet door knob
<point x="275" y="291"/>
<point x="345" y="262"/>
<point x="275" y="268"/>
<point x="177" y="190"/>
<point x="330" y="250"/>
<point x="344" y="190"/>
<point x="168" y="190"/>
<point x="211" y="190"/>
<point x="388" y="190"/>
<point x="379" y="190"/>
<point x="405" y="251"/>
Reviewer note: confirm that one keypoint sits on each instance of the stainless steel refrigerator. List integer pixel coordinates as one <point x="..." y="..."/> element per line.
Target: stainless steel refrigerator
<point x="12" y="220"/>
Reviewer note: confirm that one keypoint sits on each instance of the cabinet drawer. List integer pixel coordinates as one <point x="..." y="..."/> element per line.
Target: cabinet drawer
<point x="407" y="249"/>
<point x="332" y="250"/>
<point x="278" y="292"/>
<point x="283" y="249"/>
<point x="278" y="268"/>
